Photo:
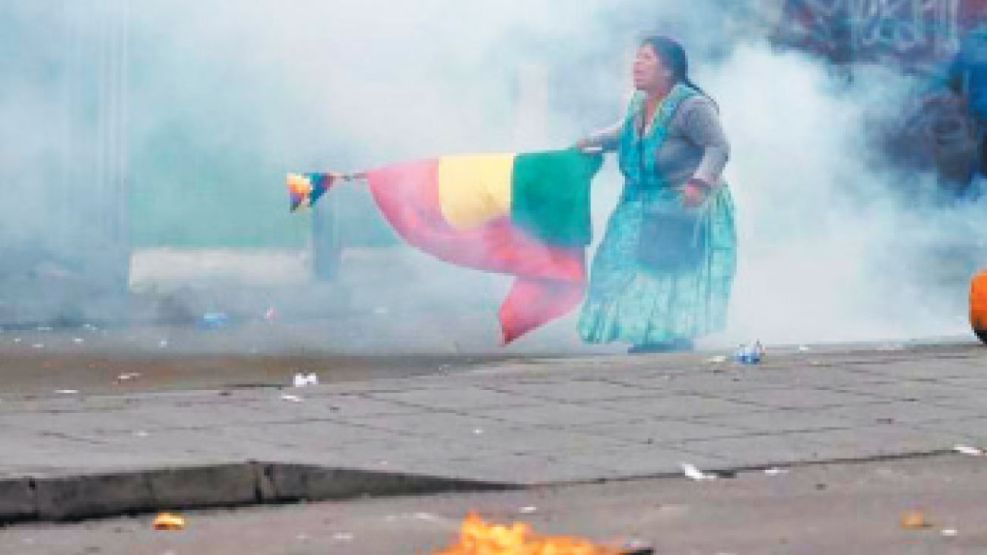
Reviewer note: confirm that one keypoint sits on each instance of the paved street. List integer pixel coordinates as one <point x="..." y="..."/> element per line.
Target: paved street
<point x="541" y="421"/>
<point x="844" y="508"/>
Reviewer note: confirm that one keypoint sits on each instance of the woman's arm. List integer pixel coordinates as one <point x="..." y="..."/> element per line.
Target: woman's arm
<point x="607" y="138"/>
<point x="701" y="125"/>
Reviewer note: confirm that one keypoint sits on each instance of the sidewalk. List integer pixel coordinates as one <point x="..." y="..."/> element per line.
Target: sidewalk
<point x="505" y="424"/>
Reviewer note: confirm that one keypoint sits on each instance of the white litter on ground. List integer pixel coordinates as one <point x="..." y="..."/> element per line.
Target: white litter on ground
<point x="968" y="450"/>
<point x="694" y="473"/>
<point x="303" y="380"/>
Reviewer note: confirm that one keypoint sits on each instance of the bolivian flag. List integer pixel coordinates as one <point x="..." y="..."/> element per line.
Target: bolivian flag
<point x="525" y="215"/>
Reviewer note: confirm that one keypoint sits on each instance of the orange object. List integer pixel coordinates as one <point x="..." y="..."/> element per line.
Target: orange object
<point x="476" y="537"/>
<point x="978" y="305"/>
<point x="169" y="521"/>
<point x="914" y="520"/>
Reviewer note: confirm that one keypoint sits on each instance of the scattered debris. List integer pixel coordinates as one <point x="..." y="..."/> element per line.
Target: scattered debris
<point x="749" y="354"/>
<point x="968" y="450"/>
<point x="127" y="376"/>
<point x="214" y="320"/>
<point x="914" y="520"/>
<point x="303" y="380"/>
<point x="636" y="547"/>
<point x="271" y="314"/>
<point x="291" y="398"/>
<point x="168" y="521"/>
<point x="694" y="473"/>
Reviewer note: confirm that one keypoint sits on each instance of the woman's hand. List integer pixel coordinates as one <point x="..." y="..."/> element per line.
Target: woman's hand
<point x="695" y="193"/>
<point x="587" y="145"/>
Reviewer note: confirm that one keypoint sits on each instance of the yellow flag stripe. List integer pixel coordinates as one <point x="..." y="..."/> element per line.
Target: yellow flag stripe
<point x="475" y="189"/>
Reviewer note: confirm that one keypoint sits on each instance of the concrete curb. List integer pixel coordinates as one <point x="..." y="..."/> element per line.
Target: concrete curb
<point x="78" y="497"/>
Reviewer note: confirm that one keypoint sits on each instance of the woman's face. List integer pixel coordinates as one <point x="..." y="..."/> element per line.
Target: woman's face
<point x="649" y="72"/>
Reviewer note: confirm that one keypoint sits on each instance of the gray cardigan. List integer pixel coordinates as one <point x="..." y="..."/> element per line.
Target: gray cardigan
<point x="694" y="147"/>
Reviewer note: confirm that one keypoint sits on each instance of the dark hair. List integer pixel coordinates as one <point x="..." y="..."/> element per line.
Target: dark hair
<point x="673" y="57"/>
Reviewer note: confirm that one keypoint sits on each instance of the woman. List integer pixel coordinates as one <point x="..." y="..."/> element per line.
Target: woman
<point x="662" y="275"/>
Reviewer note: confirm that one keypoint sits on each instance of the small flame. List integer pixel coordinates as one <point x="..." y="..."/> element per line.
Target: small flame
<point x="477" y="537"/>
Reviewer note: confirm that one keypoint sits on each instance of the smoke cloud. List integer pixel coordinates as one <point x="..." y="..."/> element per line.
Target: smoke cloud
<point x="220" y="99"/>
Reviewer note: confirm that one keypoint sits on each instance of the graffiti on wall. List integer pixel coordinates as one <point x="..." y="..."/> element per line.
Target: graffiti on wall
<point x="914" y="33"/>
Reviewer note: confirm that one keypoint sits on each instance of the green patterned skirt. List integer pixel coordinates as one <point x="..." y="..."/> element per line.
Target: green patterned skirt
<point x="628" y="303"/>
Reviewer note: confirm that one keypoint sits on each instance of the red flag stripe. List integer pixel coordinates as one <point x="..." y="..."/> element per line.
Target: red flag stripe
<point x="550" y="280"/>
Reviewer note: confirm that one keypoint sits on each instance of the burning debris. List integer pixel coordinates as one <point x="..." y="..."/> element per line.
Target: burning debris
<point x="168" y="522"/>
<point x="477" y="537"/>
<point x="915" y="520"/>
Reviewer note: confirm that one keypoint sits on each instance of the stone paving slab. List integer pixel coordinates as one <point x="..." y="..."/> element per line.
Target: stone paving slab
<point x="550" y="421"/>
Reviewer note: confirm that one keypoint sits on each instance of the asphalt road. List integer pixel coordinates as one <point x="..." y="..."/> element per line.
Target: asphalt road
<point x="841" y="508"/>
